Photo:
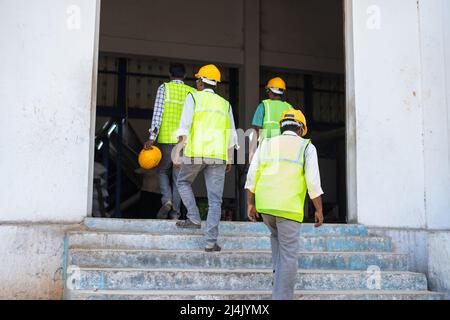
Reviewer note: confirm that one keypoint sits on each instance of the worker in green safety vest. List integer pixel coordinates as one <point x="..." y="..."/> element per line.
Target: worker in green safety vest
<point x="268" y="113"/>
<point x="166" y="120"/>
<point x="208" y="136"/>
<point x="283" y="170"/>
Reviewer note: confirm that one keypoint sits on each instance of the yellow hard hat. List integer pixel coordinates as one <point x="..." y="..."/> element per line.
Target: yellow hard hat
<point x="209" y="72"/>
<point x="276" y="85"/>
<point x="297" y="116"/>
<point x="149" y="159"/>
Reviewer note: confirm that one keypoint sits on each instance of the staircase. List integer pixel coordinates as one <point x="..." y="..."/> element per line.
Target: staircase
<point x="136" y="259"/>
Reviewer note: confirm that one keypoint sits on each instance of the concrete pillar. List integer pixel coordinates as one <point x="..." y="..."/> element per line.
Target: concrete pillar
<point x="251" y="70"/>
<point x="47" y="80"/>
<point x="398" y="91"/>
<point x="398" y="134"/>
<point x="47" y="89"/>
<point x="435" y="73"/>
<point x="351" y="181"/>
<point x="435" y="98"/>
<point x="388" y="115"/>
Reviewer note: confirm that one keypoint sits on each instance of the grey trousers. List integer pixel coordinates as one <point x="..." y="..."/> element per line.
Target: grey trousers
<point x="284" y="239"/>
<point x="166" y="170"/>
<point x="214" y="179"/>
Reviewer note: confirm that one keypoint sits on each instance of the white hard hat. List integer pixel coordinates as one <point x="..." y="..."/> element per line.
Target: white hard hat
<point x="276" y="90"/>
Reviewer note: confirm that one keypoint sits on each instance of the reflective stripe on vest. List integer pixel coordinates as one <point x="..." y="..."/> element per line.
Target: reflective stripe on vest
<point x="273" y="111"/>
<point x="174" y="97"/>
<point x="280" y="183"/>
<point x="210" y="129"/>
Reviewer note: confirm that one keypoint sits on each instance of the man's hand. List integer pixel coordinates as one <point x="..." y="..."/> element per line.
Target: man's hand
<point x="176" y="161"/>
<point x="228" y="169"/>
<point x="176" y="154"/>
<point x="149" y="145"/>
<point x="252" y="213"/>
<point x="319" y="219"/>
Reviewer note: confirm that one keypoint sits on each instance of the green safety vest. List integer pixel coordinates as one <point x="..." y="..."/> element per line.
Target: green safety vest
<point x="273" y="111"/>
<point x="280" y="181"/>
<point x="209" y="135"/>
<point x="174" y="96"/>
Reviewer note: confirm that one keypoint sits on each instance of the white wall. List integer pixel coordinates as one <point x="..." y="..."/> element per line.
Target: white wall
<point x="439" y="261"/>
<point x="402" y="141"/>
<point x="389" y="145"/>
<point x="447" y="63"/>
<point x="32" y="262"/>
<point x="435" y="55"/>
<point x="436" y="26"/>
<point x="45" y="88"/>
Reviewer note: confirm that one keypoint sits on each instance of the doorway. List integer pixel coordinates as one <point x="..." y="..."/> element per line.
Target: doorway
<point x="126" y="94"/>
<point x="138" y="41"/>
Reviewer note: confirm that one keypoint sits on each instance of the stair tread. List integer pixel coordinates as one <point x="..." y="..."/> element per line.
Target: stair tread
<point x="90" y="221"/>
<point x="227" y="235"/>
<point x="231" y="270"/>
<point x="227" y="252"/>
<point x="244" y="292"/>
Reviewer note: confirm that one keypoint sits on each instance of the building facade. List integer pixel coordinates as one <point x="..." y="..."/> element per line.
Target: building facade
<point x="397" y="70"/>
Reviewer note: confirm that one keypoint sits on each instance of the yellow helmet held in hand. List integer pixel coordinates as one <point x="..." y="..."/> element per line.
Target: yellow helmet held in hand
<point x="276" y="85"/>
<point x="149" y="159"/>
<point x="209" y="72"/>
<point x="297" y="116"/>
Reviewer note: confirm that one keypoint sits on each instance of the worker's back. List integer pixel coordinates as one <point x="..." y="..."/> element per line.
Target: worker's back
<point x="209" y="135"/>
<point x="174" y="97"/>
<point x="280" y="183"/>
<point x="273" y="110"/>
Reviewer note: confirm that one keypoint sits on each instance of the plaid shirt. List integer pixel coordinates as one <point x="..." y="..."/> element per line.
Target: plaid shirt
<point x="158" y="111"/>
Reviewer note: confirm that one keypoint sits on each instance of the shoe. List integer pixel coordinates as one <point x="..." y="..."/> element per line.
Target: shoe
<point x="188" y="224"/>
<point x="174" y="215"/>
<point x="215" y="248"/>
<point x="164" y="211"/>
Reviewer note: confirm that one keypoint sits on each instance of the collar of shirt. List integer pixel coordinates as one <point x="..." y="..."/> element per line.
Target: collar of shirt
<point x="289" y="133"/>
<point x="178" y="81"/>
<point x="208" y="90"/>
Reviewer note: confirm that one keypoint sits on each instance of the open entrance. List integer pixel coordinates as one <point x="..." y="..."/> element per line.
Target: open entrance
<point x="321" y="97"/>
<point x="300" y="41"/>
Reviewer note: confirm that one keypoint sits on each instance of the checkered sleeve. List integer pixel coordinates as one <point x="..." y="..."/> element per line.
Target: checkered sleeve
<point x="158" y="111"/>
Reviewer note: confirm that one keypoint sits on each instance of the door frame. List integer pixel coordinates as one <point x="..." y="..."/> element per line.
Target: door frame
<point x="351" y="132"/>
<point x="350" y="110"/>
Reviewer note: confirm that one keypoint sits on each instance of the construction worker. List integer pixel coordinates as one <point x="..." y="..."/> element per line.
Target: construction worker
<point x="208" y="135"/>
<point x="166" y="119"/>
<point x="268" y="113"/>
<point x="283" y="169"/>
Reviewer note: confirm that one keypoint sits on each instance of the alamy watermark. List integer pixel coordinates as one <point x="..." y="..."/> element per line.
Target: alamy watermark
<point x="73" y="21"/>
<point x="241" y="153"/>
<point x="374" y="17"/>
<point x="73" y="277"/>
<point x="373" y="281"/>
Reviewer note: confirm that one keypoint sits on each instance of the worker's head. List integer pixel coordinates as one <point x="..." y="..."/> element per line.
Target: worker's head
<point x="208" y="77"/>
<point x="202" y="85"/>
<point x="275" y="88"/>
<point x="177" y="71"/>
<point x="294" y="120"/>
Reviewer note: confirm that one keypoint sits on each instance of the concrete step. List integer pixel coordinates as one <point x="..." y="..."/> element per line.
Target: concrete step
<point x="253" y="295"/>
<point x="120" y="240"/>
<point x="239" y="259"/>
<point x="237" y="279"/>
<point x="225" y="227"/>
